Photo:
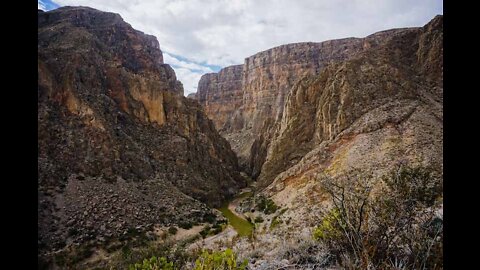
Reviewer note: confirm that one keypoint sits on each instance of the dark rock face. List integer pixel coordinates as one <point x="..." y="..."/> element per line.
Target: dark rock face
<point x="119" y="146"/>
<point x="270" y="77"/>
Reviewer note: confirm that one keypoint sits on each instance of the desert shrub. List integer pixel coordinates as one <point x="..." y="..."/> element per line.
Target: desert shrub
<point x="205" y="231"/>
<point x="221" y="221"/>
<point x="259" y="219"/>
<point x="211" y="230"/>
<point x="172" y="230"/>
<point x="217" y="228"/>
<point x="397" y="224"/>
<point x="221" y="260"/>
<point x="266" y="205"/>
<point x="275" y="222"/>
<point x="185" y="225"/>
<point x="304" y="254"/>
<point x="329" y="227"/>
<point x="209" y="217"/>
<point x="153" y="263"/>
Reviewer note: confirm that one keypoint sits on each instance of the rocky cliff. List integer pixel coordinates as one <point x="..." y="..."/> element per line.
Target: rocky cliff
<point x="377" y="109"/>
<point x="120" y="148"/>
<point x="221" y="94"/>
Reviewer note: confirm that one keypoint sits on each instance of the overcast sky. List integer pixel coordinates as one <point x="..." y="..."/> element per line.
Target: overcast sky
<point x="201" y="36"/>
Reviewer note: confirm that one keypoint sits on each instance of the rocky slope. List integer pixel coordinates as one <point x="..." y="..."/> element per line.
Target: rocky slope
<point x="119" y="147"/>
<point x="255" y="127"/>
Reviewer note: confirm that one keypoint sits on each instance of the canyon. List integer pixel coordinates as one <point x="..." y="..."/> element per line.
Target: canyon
<point x="303" y="112"/>
<point x="122" y="154"/>
<point x="283" y="102"/>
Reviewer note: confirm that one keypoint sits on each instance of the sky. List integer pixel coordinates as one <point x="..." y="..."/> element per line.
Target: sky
<point x="203" y="36"/>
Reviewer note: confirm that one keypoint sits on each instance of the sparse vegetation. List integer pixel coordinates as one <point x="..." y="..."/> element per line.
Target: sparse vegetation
<point x="172" y="251"/>
<point x="219" y="260"/>
<point x="185" y="225"/>
<point x="153" y="263"/>
<point x="209" y="218"/>
<point x="275" y="222"/>
<point x="365" y="230"/>
<point x="266" y="205"/>
<point x="328" y="229"/>
<point x="172" y="230"/>
<point x="258" y="219"/>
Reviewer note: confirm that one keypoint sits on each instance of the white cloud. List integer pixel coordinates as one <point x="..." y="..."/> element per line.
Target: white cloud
<point x="188" y="73"/>
<point x="41" y="5"/>
<point x="224" y="32"/>
<point x="169" y="59"/>
<point x="189" y="79"/>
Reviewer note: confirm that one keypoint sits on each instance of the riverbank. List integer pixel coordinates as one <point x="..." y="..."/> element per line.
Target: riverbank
<point x="237" y="220"/>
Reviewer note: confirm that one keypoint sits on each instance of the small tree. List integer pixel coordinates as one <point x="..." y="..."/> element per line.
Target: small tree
<point x="397" y="224"/>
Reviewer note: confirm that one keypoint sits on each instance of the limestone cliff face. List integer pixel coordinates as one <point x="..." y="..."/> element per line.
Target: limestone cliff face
<point x="221" y="94"/>
<point x="119" y="145"/>
<point x="382" y="107"/>
<point x="267" y="79"/>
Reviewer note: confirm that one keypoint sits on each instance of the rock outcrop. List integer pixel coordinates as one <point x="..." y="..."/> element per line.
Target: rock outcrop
<point x="120" y="148"/>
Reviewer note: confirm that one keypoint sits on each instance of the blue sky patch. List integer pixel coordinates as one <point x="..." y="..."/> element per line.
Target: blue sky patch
<point x="47" y="5"/>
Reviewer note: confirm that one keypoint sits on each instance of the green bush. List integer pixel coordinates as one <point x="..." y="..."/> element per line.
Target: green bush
<point x="221" y="260"/>
<point x="258" y="219"/>
<point x="330" y="226"/>
<point x="209" y="218"/>
<point x="205" y="231"/>
<point x="266" y="205"/>
<point x="217" y="228"/>
<point x="153" y="263"/>
<point x="185" y="225"/>
<point x="275" y="222"/>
